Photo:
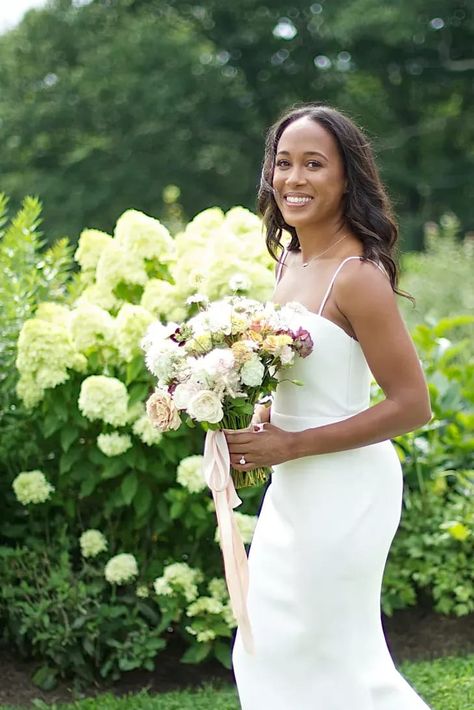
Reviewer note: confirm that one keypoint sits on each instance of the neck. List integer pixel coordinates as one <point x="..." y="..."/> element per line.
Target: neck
<point x="314" y="240"/>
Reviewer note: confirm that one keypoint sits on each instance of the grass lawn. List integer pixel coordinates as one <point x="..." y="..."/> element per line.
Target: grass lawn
<point x="445" y="684"/>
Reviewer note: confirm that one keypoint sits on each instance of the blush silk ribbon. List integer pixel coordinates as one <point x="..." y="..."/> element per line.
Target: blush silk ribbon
<point x="216" y="469"/>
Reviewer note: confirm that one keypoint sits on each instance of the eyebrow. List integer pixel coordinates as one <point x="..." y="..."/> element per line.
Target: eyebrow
<point x="307" y="152"/>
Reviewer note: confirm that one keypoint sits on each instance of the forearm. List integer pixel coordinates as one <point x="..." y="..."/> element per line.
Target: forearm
<point x="382" y="421"/>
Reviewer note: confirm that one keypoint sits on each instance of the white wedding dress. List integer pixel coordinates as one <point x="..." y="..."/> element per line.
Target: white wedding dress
<point x="319" y="550"/>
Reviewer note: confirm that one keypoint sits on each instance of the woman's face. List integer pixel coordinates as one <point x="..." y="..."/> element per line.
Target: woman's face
<point x="308" y="165"/>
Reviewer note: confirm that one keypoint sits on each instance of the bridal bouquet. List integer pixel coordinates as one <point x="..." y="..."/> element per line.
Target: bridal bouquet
<point x="215" y="366"/>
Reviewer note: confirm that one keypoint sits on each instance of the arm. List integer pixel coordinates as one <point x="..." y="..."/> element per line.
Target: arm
<point x="365" y="297"/>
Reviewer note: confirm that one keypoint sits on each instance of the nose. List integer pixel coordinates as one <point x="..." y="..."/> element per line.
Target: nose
<point x="295" y="176"/>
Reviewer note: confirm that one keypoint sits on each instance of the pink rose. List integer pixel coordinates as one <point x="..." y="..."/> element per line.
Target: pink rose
<point x="162" y="411"/>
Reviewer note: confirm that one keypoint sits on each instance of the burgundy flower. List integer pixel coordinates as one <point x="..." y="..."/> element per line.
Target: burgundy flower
<point x="303" y="343"/>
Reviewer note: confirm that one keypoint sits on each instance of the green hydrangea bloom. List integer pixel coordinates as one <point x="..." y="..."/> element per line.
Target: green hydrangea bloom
<point x="144" y="236"/>
<point x="117" y="265"/>
<point x="161" y="298"/>
<point x="114" y="444"/>
<point x="121" y="569"/>
<point x="104" y="398"/>
<point x="45" y="353"/>
<point x="92" y="243"/>
<point x="32" y="487"/>
<point x="246" y="526"/>
<point x="91" y="327"/>
<point x="179" y="577"/>
<point x="131" y="324"/>
<point x="190" y="475"/>
<point x="92" y="543"/>
<point x="146" y="432"/>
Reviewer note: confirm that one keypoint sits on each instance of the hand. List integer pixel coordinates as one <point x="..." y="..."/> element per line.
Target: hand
<point x="261" y="448"/>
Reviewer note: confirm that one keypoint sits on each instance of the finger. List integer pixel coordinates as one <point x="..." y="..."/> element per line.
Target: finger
<point x="239" y="439"/>
<point x="237" y="451"/>
<point x="244" y="466"/>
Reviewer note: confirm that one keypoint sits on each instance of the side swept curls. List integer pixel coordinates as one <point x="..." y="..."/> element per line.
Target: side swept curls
<point x="367" y="209"/>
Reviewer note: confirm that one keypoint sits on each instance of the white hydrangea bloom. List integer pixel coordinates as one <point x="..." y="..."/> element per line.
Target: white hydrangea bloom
<point x="246" y="526"/>
<point x="190" y="474"/>
<point x="252" y="372"/>
<point x="92" y="543"/>
<point x="117" y="265"/>
<point x="142" y="591"/>
<point x="131" y="324"/>
<point x="91" y="327"/>
<point x="104" y="398"/>
<point x="45" y="353"/>
<point x="239" y="282"/>
<point x="179" y="577"/>
<point x="91" y="244"/>
<point x="32" y="487"/>
<point x="146" y="432"/>
<point x="144" y="236"/>
<point x="114" y="444"/>
<point x="121" y="569"/>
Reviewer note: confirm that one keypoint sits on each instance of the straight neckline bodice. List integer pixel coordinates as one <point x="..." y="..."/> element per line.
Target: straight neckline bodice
<point x="323" y="318"/>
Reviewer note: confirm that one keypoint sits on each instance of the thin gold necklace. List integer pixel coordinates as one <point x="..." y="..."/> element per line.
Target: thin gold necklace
<point x="305" y="263"/>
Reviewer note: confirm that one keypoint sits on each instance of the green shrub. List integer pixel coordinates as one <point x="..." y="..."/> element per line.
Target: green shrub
<point x="440" y="277"/>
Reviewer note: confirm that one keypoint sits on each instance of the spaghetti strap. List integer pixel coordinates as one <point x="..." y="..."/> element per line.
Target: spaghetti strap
<point x="328" y="290"/>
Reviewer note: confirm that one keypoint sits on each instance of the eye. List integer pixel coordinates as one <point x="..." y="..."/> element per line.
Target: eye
<point x="280" y="163"/>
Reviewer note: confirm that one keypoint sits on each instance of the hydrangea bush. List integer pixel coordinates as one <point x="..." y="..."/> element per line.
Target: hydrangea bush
<point x="132" y="499"/>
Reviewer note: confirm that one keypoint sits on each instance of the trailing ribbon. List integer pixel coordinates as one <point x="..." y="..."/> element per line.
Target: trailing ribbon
<point x="216" y="468"/>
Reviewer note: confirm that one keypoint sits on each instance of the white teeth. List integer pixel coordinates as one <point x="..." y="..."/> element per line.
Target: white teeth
<point x="297" y="200"/>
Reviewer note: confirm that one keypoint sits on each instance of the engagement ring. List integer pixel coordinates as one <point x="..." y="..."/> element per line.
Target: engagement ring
<point x="242" y="460"/>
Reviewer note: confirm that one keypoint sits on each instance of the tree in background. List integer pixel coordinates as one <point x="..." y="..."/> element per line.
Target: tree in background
<point x="103" y="105"/>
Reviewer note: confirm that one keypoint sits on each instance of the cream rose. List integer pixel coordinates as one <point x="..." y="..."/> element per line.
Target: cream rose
<point x="206" y="406"/>
<point x="162" y="411"/>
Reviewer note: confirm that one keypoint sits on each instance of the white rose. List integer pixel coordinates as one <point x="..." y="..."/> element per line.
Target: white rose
<point x="183" y="393"/>
<point x="287" y="355"/>
<point x="206" y="406"/>
<point x="252" y="372"/>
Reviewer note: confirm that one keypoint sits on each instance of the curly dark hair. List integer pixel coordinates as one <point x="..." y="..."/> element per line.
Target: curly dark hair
<point x="367" y="209"/>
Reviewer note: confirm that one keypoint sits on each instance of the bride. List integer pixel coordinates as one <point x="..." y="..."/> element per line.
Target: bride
<point x="334" y="502"/>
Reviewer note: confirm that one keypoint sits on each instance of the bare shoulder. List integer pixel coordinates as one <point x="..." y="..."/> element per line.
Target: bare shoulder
<point x="364" y="295"/>
<point x="360" y="282"/>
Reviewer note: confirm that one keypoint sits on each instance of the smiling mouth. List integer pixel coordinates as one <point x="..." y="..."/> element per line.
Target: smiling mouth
<point x="294" y="201"/>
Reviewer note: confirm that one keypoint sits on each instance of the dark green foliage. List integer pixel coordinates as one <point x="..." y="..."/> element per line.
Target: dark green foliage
<point x="130" y="96"/>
